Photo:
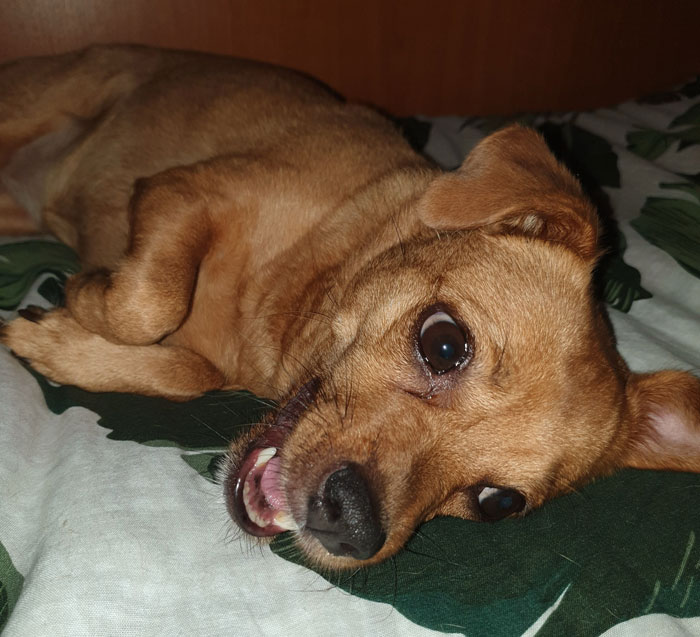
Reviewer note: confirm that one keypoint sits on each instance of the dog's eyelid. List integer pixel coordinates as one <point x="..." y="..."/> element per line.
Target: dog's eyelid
<point x="425" y="396"/>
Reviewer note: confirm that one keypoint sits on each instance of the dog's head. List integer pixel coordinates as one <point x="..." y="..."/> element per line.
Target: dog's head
<point x="471" y="373"/>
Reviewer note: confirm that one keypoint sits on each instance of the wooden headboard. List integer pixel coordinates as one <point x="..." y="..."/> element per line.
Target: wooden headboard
<point x="408" y="56"/>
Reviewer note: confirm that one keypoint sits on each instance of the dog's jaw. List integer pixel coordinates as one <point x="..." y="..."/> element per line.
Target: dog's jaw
<point x="253" y="484"/>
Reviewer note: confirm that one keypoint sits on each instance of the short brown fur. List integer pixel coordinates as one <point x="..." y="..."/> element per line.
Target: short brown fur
<point x="241" y="227"/>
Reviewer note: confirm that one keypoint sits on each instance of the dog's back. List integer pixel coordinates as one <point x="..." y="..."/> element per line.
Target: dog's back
<point x="289" y="181"/>
<point x="154" y="110"/>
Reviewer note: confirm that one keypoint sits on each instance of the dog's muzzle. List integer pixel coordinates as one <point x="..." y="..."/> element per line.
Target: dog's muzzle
<point x="342" y="514"/>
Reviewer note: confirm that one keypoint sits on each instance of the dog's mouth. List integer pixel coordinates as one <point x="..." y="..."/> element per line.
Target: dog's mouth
<point x="255" y="494"/>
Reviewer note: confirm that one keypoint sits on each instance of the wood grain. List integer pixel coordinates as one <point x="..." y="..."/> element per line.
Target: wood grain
<point x="457" y="56"/>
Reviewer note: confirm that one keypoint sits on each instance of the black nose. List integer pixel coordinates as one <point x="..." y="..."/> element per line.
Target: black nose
<point x="344" y="518"/>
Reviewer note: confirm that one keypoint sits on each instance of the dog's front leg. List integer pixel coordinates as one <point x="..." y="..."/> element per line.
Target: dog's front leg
<point x="58" y="347"/>
<point x="148" y="295"/>
<point x="106" y="337"/>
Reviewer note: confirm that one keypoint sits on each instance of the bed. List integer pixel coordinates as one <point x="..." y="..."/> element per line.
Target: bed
<point x="111" y="522"/>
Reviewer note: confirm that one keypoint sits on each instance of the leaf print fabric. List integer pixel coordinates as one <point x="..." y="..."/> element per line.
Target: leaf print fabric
<point x="111" y="521"/>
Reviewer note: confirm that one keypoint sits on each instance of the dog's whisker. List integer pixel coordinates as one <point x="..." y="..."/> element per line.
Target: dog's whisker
<point x="218" y="399"/>
<point x="210" y="428"/>
<point x="398" y="236"/>
<point x="436" y="558"/>
<point x="329" y="295"/>
<point x="309" y="314"/>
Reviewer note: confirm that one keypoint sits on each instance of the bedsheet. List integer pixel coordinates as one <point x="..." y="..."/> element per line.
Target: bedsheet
<point x="111" y="522"/>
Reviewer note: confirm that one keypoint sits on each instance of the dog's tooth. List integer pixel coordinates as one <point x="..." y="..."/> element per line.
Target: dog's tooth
<point x="262" y="523"/>
<point x="285" y="521"/>
<point x="257" y="519"/>
<point x="265" y="456"/>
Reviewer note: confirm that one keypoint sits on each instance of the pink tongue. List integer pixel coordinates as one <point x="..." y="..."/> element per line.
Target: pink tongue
<point x="270" y="484"/>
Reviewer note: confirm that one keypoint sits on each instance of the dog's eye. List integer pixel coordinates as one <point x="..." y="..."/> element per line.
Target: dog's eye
<point x="442" y="342"/>
<point x="497" y="503"/>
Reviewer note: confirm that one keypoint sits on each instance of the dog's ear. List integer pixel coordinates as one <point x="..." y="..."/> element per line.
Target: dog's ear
<point x="511" y="183"/>
<point x="665" y="409"/>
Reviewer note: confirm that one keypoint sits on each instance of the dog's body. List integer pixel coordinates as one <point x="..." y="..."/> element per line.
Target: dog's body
<point x="259" y="268"/>
<point x="433" y="336"/>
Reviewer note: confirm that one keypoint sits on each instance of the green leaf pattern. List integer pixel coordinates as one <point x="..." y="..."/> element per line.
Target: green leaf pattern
<point x="622" y="548"/>
<point x="11" y="583"/>
<point x="21" y="264"/>
<point x="674" y="225"/>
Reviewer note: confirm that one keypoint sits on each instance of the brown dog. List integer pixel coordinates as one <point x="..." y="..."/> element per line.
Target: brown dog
<point x="433" y="337"/>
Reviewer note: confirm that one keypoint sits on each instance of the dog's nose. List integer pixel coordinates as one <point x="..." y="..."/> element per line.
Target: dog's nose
<point x="344" y="518"/>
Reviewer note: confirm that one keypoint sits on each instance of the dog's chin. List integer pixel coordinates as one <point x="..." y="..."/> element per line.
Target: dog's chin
<point x="253" y="485"/>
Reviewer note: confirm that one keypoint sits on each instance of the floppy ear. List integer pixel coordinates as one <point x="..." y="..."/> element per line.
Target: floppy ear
<point x="511" y="183"/>
<point x="666" y="421"/>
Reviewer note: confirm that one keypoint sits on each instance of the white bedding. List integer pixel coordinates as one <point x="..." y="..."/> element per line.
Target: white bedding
<point x="114" y="537"/>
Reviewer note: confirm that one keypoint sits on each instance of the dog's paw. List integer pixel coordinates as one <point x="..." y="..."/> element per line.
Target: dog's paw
<point x="45" y="340"/>
<point x="57" y="346"/>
